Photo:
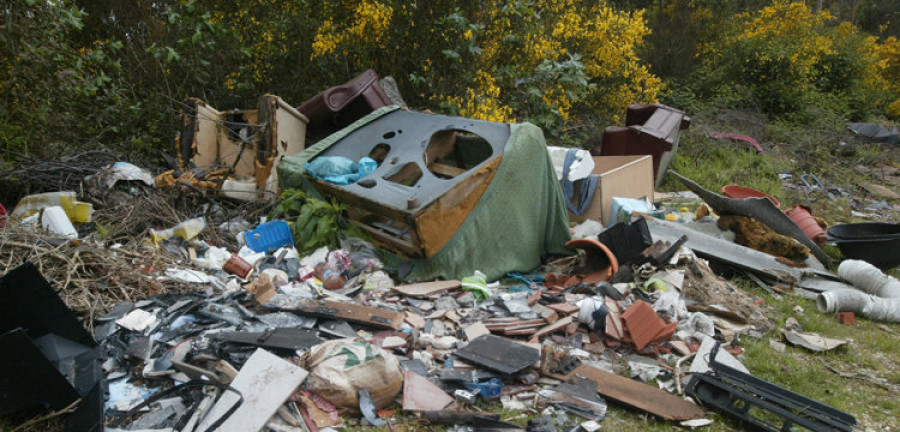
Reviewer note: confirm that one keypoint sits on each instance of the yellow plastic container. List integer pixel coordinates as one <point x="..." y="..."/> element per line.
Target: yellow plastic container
<point x="77" y="211"/>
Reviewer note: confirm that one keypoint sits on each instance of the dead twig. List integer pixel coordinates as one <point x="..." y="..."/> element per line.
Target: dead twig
<point x="90" y="278"/>
<point x="67" y="410"/>
<point x="869" y="378"/>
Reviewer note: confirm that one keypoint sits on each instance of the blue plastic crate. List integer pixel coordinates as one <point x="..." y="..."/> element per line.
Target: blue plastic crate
<point x="268" y="236"/>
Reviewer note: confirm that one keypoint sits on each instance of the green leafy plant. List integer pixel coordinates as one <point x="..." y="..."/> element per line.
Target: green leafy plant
<point x="314" y="222"/>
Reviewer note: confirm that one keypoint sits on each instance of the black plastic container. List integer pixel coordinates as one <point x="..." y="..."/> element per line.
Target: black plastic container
<point x="873" y="242"/>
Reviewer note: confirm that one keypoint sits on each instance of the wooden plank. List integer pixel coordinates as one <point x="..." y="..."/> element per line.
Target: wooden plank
<point x="513" y="325"/>
<point x="390" y="241"/>
<point x="288" y="135"/>
<point x="375" y="317"/>
<point x="426" y="289"/>
<point x="558" y="325"/>
<point x="521" y="332"/>
<point x="438" y="222"/>
<point x="331" y="191"/>
<point x="564" y="308"/>
<point x="501" y="320"/>
<point x="639" y="395"/>
<point x="526" y="324"/>
<point x="264" y="382"/>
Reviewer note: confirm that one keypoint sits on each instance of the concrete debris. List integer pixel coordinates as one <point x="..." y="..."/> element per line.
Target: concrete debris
<point x="812" y="341"/>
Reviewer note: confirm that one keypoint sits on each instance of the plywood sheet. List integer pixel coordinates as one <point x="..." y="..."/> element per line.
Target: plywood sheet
<point x="639" y="395"/>
<point x="426" y="289"/>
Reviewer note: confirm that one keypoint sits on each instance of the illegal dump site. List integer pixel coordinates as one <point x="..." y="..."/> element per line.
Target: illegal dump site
<point x="351" y="263"/>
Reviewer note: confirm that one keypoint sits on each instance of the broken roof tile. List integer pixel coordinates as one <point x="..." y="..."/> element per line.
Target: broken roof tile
<point x="643" y="323"/>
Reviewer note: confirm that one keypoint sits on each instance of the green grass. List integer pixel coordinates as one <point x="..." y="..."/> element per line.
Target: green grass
<point x="871" y="350"/>
<point x="716" y="163"/>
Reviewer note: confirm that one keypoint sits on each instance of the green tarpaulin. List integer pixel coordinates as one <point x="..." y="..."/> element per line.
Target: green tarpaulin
<point x="520" y="218"/>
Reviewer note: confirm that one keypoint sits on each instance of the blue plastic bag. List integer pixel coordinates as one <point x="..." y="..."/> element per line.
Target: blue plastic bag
<point x="488" y="389"/>
<point x="340" y="170"/>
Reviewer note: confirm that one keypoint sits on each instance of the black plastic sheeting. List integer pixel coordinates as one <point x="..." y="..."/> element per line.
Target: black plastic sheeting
<point x="46" y="357"/>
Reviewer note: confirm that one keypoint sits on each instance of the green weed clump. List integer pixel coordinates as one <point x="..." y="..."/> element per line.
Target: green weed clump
<point x="314" y="222"/>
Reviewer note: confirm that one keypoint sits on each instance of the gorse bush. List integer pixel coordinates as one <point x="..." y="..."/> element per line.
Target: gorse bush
<point x="791" y="57"/>
<point x="545" y="62"/>
<point x="80" y="74"/>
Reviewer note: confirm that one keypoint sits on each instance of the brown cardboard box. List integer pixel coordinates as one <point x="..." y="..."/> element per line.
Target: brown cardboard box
<point x="620" y="176"/>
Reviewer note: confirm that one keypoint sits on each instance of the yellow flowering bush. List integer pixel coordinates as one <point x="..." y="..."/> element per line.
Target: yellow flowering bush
<point x="888" y="65"/>
<point x="364" y="27"/>
<point x="791" y="57"/>
<point x="504" y="60"/>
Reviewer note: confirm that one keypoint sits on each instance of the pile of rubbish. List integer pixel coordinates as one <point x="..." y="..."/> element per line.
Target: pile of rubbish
<point x="339" y="307"/>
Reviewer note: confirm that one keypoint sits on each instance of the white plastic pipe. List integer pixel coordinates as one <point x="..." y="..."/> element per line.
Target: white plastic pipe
<point x="869" y="279"/>
<point x="858" y="302"/>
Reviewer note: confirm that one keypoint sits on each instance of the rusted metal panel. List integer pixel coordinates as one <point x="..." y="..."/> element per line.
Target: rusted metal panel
<point x="558" y="325"/>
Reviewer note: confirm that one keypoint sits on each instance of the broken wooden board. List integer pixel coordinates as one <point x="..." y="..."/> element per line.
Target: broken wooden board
<point x="521" y="332"/>
<point x="264" y="382"/>
<point x="283" y="338"/>
<point x="560" y="324"/>
<point x="515" y="325"/>
<point x="760" y="209"/>
<point x="564" y="308"/>
<point x="419" y="394"/>
<point x="639" y="395"/>
<point x="499" y="354"/>
<point x="426" y="289"/>
<point x="375" y="317"/>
